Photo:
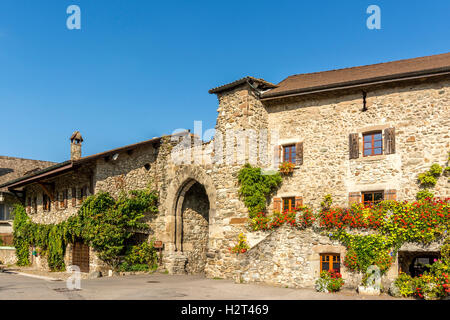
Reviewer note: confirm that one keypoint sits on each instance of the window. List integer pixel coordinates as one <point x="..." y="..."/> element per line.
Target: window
<point x="289" y="153"/>
<point x="373" y="144"/>
<point x="288" y="203"/>
<point x="330" y="261"/>
<point x="372" y="197"/>
<point x="4" y="212"/>
<point x="74" y="197"/>
<point x="65" y="197"/>
<point x="46" y="204"/>
<point x="34" y="205"/>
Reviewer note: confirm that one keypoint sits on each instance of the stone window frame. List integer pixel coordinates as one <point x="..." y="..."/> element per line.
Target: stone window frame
<point x="366" y="130"/>
<point x="288" y="142"/>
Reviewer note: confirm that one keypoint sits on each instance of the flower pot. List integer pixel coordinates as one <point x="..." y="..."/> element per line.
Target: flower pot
<point x="369" y="291"/>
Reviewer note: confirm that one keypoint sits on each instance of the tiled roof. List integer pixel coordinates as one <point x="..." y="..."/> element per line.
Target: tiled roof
<point x="360" y="75"/>
<point x="13" y="168"/>
<point x="263" y="84"/>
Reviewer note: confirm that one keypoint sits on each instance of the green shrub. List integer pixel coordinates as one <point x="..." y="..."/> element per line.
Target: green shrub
<point x="329" y="281"/>
<point x="142" y="254"/>
<point x="405" y="284"/>
<point x="423" y="194"/>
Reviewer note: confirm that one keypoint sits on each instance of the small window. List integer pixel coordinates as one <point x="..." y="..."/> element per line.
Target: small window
<point x="373" y="144"/>
<point x="46" y="204"/>
<point x="4" y="212"/>
<point x="288" y="204"/>
<point x="74" y="197"/>
<point x="330" y="261"/>
<point x="34" y="205"/>
<point x="372" y="197"/>
<point x="289" y="153"/>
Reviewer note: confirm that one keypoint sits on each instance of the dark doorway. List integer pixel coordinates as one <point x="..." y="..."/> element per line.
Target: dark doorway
<point x="80" y="256"/>
<point x="414" y="263"/>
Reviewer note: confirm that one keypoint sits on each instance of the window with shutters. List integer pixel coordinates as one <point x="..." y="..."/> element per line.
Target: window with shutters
<point x="289" y="153"/>
<point x="373" y="143"/>
<point x="372" y="197"/>
<point x="330" y="261"/>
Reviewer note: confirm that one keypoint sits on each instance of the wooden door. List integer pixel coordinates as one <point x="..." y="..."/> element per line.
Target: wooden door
<point x="80" y="256"/>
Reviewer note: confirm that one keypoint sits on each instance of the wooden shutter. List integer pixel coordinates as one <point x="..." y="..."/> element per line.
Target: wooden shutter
<point x="389" y="140"/>
<point x="277" y="204"/>
<point x="277" y="155"/>
<point x="299" y="153"/>
<point x="298" y="202"/>
<point x="354" y="145"/>
<point x="354" y="197"/>
<point x="390" y="194"/>
<point x="29" y="206"/>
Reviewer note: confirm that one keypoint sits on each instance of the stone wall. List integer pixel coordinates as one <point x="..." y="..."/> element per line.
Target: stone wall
<point x="419" y="113"/>
<point x="289" y="257"/>
<point x="81" y="178"/>
<point x="8" y="255"/>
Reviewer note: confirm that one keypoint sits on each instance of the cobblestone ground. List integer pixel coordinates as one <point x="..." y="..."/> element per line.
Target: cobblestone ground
<point x="153" y="287"/>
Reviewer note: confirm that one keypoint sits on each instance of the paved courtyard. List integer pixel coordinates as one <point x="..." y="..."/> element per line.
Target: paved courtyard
<point x="156" y="287"/>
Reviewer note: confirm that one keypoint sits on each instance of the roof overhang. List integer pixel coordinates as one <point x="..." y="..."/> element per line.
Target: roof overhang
<point x="358" y="83"/>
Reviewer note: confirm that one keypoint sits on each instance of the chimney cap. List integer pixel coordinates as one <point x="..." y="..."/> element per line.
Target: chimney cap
<point x="76" y="136"/>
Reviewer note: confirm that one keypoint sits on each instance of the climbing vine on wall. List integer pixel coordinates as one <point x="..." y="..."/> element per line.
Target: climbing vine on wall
<point x="429" y="178"/>
<point x="102" y="222"/>
<point x="256" y="188"/>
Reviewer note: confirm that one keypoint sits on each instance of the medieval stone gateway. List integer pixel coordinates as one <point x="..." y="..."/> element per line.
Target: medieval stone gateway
<point x="190" y="205"/>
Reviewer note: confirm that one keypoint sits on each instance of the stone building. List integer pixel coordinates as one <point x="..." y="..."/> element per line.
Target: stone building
<point x="11" y="168"/>
<point x="359" y="134"/>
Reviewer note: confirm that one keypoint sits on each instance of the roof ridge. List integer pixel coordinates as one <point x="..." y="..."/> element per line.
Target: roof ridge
<point x="20" y="158"/>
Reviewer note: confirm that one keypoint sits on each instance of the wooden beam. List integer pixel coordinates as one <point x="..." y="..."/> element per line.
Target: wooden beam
<point x="47" y="192"/>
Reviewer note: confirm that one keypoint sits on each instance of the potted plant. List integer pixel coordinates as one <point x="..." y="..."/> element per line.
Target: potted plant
<point x="286" y="167"/>
<point x="329" y="281"/>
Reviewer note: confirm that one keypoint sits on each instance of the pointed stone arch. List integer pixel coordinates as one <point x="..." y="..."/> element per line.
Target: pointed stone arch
<point x="189" y="179"/>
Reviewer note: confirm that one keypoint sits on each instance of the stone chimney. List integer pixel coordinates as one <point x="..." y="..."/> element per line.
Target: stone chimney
<point x="75" y="145"/>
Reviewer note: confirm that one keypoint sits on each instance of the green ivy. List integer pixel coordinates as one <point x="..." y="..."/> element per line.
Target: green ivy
<point x="102" y="222"/>
<point x="429" y="178"/>
<point x="256" y="188"/>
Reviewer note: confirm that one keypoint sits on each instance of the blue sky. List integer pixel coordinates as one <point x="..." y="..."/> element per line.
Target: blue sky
<point x="139" y="69"/>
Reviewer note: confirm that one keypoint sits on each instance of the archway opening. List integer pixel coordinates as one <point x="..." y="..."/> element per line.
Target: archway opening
<point x="193" y="214"/>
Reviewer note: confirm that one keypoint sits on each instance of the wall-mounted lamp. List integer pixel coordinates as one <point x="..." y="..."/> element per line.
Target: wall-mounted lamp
<point x="115" y="156"/>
